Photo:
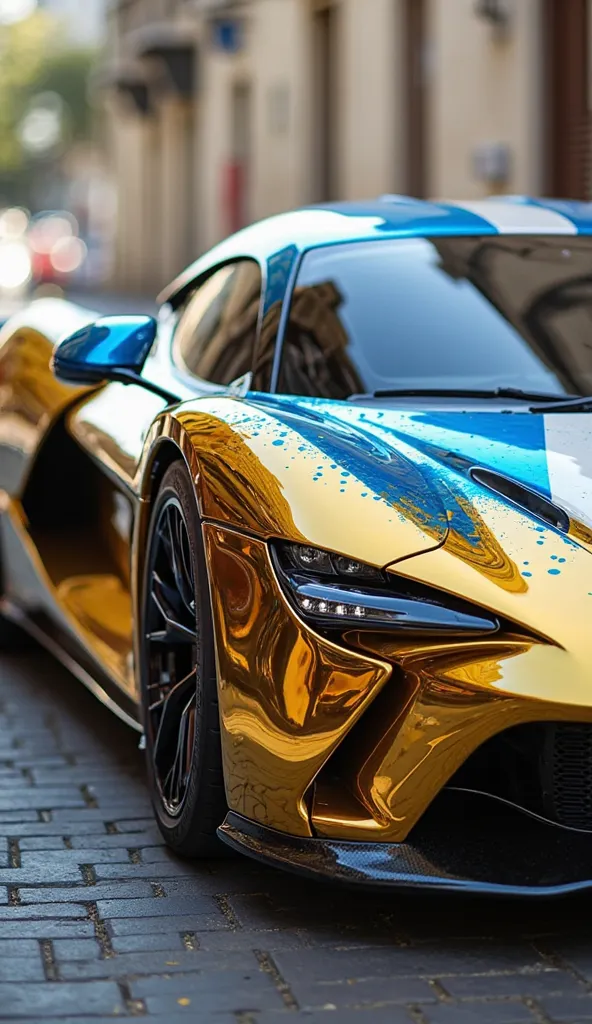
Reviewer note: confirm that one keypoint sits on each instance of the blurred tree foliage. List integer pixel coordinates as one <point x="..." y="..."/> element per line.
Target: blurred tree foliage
<point x="33" y="61"/>
<point x="66" y="73"/>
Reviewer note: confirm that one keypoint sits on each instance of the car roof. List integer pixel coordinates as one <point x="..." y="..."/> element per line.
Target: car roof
<point x="391" y="216"/>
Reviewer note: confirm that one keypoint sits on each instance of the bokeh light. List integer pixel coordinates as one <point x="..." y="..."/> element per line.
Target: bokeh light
<point x="42" y="126"/>
<point x="48" y="231"/>
<point x="13" y="222"/>
<point x="68" y="255"/>
<point x="15" y="265"/>
<point x="12" y="11"/>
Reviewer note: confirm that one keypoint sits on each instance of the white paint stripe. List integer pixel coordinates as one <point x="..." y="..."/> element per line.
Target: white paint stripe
<point x="568" y="439"/>
<point x="519" y="218"/>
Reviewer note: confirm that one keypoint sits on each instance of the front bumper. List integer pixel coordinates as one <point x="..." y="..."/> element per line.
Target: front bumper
<point x="467" y="842"/>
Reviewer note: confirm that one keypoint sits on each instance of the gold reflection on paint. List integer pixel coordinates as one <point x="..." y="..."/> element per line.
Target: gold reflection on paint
<point x="460" y="696"/>
<point x="287" y="697"/>
<point x="94" y="608"/>
<point x="553" y="603"/>
<point x="260" y="475"/>
<point x="407" y="765"/>
<point x="113" y="425"/>
<point x="581" y="532"/>
<point x="236" y="486"/>
<point x="481" y="549"/>
<point x="100" y="606"/>
<point x="30" y="399"/>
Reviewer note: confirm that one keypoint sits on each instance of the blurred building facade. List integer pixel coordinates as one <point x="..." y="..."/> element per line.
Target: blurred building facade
<point x="83" y="20"/>
<point x="225" y="111"/>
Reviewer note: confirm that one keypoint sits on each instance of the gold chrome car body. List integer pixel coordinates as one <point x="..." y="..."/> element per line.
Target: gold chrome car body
<point x="347" y="737"/>
<point x="289" y="697"/>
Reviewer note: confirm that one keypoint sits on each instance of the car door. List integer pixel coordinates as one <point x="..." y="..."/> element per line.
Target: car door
<point x="67" y="556"/>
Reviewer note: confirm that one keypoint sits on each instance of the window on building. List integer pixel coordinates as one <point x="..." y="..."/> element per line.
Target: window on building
<point x="452" y="313"/>
<point x="326" y="99"/>
<point x="415" y="64"/>
<point x="567" y="108"/>
<point x="217" y="328"/>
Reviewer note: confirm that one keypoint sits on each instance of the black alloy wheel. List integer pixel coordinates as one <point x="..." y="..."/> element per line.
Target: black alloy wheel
<point x="178" y="675"/>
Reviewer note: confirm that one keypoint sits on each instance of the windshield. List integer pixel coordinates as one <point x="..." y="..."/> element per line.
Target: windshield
<point x="459" y="312"/>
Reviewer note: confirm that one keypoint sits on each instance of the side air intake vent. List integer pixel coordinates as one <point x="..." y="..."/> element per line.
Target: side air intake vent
<point x="520" y="495"/>
<point x="544" y="767"/>
<point x="567" y="774"/>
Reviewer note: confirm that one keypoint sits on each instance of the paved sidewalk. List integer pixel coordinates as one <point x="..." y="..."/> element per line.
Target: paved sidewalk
<point x="97" y="920"/>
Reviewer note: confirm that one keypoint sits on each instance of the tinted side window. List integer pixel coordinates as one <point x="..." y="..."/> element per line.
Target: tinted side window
<point x="315" y="357"/>
<point x="217" y="328"/>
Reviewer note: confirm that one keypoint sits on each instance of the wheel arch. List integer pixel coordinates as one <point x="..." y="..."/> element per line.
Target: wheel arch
<point x="167" y="444"/>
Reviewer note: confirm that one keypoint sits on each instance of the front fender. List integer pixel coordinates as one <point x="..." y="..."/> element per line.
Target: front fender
<point x="279" y="474"/>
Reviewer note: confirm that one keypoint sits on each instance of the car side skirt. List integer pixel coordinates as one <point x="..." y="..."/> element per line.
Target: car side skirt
<point x="76" y="660"/>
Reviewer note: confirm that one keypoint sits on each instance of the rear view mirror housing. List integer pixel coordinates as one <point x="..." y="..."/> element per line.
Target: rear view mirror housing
<point x="111" y="348"/>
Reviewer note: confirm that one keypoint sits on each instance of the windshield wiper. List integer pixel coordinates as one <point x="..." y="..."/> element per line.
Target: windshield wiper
<point x="582" y="404"/>
<point x="517" y="393"/>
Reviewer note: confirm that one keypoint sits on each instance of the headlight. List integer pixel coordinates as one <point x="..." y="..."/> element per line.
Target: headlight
<point x="335" y="592"/>
<point x="325" y="564"/>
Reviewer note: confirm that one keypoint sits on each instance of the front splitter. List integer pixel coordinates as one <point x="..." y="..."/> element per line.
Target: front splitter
<point x="471" y="843"/>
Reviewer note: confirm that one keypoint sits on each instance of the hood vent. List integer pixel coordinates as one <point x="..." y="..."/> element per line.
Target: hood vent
<point x="518" y="494"/>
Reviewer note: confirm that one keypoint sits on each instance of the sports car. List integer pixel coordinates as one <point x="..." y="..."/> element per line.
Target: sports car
<point x="320" y="531"/>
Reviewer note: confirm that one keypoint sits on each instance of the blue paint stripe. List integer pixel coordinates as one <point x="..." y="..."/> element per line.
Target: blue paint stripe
<point x="413" y="217"/>
<point x="580" y="214"/>
<point x="514" y="445"/>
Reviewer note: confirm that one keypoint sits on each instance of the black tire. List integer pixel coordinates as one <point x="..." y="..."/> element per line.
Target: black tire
<point x="12" y="637"/>
<point x="189" y="805"/>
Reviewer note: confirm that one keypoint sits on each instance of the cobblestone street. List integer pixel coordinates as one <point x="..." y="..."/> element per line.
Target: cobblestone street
<point x="97" y="920"/>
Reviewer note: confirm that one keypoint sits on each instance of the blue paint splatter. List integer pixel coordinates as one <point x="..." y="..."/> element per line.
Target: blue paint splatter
<point x="554" y="572"/>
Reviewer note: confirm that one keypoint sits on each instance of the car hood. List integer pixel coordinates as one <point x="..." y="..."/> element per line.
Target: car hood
<point x="550" y="454"/>
<point x="383" y="484"/>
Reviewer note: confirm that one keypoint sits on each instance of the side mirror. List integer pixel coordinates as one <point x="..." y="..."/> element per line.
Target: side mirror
<point x="113" y="348"/>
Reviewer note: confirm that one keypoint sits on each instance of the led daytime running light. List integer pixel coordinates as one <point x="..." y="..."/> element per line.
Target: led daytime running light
<point x="340" y="592"/>
<point x="337" y="609"/>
